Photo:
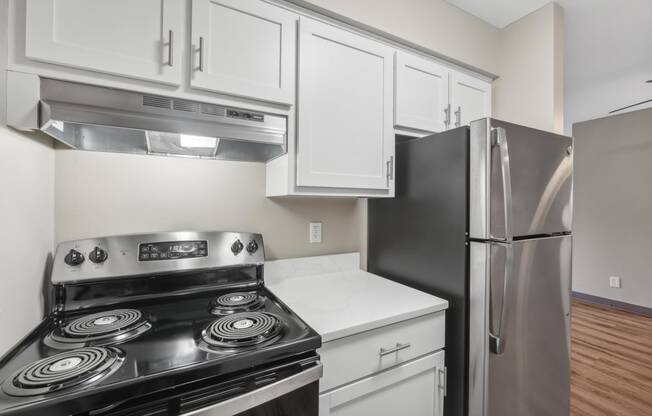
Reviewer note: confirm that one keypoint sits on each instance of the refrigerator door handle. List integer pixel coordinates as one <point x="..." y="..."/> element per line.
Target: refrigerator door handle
<point x="497" y="335"/>
<point x="499" y="139"/>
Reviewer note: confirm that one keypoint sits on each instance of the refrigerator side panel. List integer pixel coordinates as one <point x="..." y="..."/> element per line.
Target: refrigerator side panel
<point x="418" y="238"/>
<point x="531" y="377"/>
<point x="478" y="307"/>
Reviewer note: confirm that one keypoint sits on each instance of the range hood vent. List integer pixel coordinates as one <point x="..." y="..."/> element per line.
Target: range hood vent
<point x="88" y="117"/>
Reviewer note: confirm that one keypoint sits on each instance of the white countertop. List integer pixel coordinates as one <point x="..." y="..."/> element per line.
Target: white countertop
<point x="337" y="299"/>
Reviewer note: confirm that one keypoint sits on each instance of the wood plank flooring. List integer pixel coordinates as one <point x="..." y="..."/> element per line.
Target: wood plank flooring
<point x="611" y="362"/>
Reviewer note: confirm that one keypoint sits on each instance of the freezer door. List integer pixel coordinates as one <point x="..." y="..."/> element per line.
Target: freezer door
<point x="521" y="181"/>
<point x="526" y="306"/>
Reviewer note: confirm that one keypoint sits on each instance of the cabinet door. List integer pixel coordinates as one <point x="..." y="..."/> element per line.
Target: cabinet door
<point x="244" y="48"/>
<point x="137" y="39"/>
<point x="345" y="137"/>
<point x="421" y="93"/>
<point x="416" y="389"/>
<point x="470" y="98"/>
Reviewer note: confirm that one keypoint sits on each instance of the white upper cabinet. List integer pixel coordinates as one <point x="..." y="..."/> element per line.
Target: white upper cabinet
<point x="421" y="93"/>
<point x="470" y="99"/>
<point x="345" y="137"/>
<point x="123" y="37"/>
<point x="245" y="48"/>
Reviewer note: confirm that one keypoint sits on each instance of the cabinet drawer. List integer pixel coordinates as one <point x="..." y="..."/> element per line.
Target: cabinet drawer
<point x="363" y="354"/>
<point x="416" y="388"/>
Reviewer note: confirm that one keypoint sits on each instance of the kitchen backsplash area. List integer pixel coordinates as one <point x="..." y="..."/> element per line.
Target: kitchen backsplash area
<point x="108" y="193"/>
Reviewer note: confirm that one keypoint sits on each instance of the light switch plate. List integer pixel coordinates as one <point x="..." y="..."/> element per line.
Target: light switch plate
<point x="314" y="231"/>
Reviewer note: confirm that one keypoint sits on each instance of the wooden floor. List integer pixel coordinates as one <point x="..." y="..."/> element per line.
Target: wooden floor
<point x="611" y="363"/>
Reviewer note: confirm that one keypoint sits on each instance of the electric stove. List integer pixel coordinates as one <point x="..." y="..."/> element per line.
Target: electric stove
<point x="163" y="324"/>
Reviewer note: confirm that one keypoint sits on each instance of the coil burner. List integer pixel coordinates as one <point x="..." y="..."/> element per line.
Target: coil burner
<point x="236" y="302"/>
<point x="243" y="329"/>
<point x="62" y="371"/>
<point x="98" y="329"/>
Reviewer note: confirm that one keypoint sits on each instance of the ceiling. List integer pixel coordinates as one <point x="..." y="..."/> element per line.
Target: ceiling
<point x="499" y="13"/>
<point x="607" y="57"/>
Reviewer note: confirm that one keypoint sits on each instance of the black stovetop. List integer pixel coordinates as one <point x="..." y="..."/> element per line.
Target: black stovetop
<point x="168" y="355"/>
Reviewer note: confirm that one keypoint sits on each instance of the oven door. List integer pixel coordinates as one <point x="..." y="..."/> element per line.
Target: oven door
<point x="294" y="395"/>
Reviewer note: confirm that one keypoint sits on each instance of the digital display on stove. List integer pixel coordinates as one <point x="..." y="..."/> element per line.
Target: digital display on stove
<point x="172" y="250"/>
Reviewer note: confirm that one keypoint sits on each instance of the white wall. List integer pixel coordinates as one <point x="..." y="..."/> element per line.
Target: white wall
<point x="530" y="88"/>
<point x="107" y="193"/>
<point x="613" y="207"/>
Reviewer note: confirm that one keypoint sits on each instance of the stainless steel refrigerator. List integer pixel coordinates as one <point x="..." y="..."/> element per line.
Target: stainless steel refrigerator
<point x="482" y="217"/>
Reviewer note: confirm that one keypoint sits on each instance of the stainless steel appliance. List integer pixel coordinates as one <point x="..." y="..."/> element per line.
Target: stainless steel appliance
<point x="482" y="217"/>
<point x="89" y="117"/>
<point x="167" y="324"/>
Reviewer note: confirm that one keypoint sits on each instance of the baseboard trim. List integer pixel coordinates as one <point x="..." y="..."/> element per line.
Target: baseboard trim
<point x="613" y="304"/>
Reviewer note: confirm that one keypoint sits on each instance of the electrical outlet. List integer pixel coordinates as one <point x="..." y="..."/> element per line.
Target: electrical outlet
<point x="614" y="281"/>
<point x="314" y="231"/>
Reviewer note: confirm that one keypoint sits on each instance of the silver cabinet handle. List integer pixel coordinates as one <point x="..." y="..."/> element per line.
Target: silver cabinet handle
<point x="447" y="116"/>
<point x="201" y="54"/>
<point x="262" y="395"/>
<point x="170" y="47"/>
<point x="499" y="139"/>
<point x="458" y="116"/>
<point x="443" y="386"/>
<point x="496" y="333"/>
<point x="390" y="170"/>
<point x="386" y="351"/>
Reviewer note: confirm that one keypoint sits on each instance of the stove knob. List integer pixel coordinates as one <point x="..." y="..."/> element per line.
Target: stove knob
<point x="98" y="255"/>
<point x="237" y="247"/>
<point x="252" y="247"/>
<point x="74" y="258"/>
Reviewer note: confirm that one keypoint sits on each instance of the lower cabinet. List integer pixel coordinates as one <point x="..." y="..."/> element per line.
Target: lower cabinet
<point x="416" y="388"/>
<point x="396" y="369"/>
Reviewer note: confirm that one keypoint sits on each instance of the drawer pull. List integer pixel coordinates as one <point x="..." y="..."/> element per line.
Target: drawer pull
<point x="397" y="348"/>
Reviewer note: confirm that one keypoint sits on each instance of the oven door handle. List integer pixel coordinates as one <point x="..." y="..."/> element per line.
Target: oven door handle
<point x="262" y="395"/>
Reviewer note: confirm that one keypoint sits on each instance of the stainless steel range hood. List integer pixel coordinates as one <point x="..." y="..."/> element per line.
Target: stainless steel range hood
<point x="88" y="117"/>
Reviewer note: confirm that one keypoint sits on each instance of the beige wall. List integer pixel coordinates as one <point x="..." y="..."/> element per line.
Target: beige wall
<point x="530" y="88"/>
<point x="613" y="207"/>
<point x="431" y="24"/>
<point x="27" y="224"/>
<point x="106" y="193"/>
<point x="26" y="220"/>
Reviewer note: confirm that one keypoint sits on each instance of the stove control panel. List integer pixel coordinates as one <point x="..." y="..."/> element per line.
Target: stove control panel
<point x="171" y="250"/>
<point x="155" y="253"/>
